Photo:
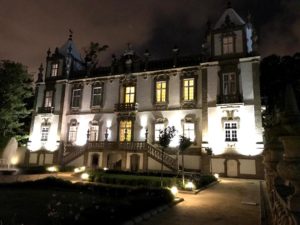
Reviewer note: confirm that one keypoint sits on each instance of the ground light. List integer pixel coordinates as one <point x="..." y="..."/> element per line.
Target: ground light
<point x="216" y="175"/>
<point x="52" y="169"/>
<point x="79" y="169"/>
<point x="189" y="185"/>
<point x="84" y="176"/>
<point x="174" y="190"/>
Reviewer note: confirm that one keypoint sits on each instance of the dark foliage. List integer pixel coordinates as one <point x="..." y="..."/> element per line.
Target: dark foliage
<point x="15" y="98"/>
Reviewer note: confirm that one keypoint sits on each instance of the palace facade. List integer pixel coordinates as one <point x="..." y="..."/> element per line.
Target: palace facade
<point x="111" y="116"/>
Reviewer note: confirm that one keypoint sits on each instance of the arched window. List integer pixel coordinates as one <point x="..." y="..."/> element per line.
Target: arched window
<point x="72" y="135"/>
<point x="94" y="131"/>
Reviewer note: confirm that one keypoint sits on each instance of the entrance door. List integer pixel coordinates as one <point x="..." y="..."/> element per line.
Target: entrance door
<point x="134" y="162"/>
<point x="95" y="161"/>
<point x="232" y="168"/>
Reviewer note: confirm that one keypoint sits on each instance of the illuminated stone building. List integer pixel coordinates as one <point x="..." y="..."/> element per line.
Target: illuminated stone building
<point x="111" y="116"/>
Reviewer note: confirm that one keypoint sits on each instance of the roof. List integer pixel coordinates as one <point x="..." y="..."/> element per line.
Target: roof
<point x="233" y="16"/>
<point x="64" y="50"/>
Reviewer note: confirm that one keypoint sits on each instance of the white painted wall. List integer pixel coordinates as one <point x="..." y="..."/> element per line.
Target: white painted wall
<point x="218" y="165"/>
<point x="77" y="162"/>
<point x="247" y="166"/>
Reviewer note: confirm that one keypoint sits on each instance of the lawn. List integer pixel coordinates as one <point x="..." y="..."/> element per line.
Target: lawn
<point x="53" y="201"/>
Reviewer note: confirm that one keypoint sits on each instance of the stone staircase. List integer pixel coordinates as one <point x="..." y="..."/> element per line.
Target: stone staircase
<point x="152" y="151"/>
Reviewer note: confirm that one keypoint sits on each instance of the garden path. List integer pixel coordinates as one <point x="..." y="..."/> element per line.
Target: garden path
<point x="232" y="201"/>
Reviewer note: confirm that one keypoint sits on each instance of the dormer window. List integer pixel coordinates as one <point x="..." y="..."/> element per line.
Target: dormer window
<point x="54" y="69"/>
<point x="228" y="45"/>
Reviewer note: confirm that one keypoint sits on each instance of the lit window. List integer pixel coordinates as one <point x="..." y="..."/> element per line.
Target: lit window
<point x="189" y="131"/>
<point x="96" y="96"/>
<point x="158" y="127"/>
<point x="94" y="131"/>
<point x="48" y="99"/>
<point x="76" y="97"/>
<point x="188" y="89"/>
<point x="230" y="131"/>
<point x="45" y="133"/>
<point x="73" y="131"/>
<point x="129" y="94"/>
<point x="161" y="91"/>
<point x="227" y="45"/>
<point x="125" y="130"/>
<point x="54" y="70"/>
<point x="229" y="84"/>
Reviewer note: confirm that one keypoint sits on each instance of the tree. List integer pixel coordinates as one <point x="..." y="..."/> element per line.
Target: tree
<point x="92" y="54"/>
<point x="15" y="91"/>
<point x="278" y="73"/>
<point x="165" y="137"/>
<point x="184" y="144"/>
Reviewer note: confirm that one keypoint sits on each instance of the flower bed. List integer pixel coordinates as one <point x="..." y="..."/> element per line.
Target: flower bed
<point x="54" y="201"/>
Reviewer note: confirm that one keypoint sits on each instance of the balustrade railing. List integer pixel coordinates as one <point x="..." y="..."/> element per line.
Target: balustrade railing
<point x="125" y="107"/>
<point x="74" y="152"/>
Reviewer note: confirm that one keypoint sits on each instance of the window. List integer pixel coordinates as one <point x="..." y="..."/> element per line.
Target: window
<point x="129" y="94"/>
<point x="48" y="99"/>
<point x="96" y="96"/>
<point x="227" y="45"/>
<point x="125" y="130"/>
<point x="76" y="97"/>
<point x="54" y="69"/>
<point x="161" y="91"/>
<point x="230" y="131"/>
<point x="72" y="137"/>
<point x="158" y="127"/>
<point x="189" y="131"/>
<point x="94" y="131"/>
<point x="229" y="84"/>
<point x="188" y="89"/>
<point x="45" y="133"/>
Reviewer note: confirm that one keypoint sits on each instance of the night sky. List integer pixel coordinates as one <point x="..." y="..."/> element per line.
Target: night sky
<point x="29" y="28"/>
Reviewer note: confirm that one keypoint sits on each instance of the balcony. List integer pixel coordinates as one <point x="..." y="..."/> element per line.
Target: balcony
<point x="45" y="109"/>
<point x="223" y="99"/>
<point x="126" y="107"/>
<point x="108" y="145"/>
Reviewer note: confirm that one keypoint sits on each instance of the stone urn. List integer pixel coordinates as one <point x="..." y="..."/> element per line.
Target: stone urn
<point x="289" y="168"/>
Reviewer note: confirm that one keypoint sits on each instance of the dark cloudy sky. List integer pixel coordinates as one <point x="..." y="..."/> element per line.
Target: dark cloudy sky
<point x="29" y="27"/>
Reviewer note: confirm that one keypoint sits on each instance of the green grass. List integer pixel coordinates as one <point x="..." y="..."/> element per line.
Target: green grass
<point x="58" y="202"/>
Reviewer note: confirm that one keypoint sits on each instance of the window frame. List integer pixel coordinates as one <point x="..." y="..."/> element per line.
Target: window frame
<point x="230" y="84"/>
<point x="78" y="96"/>
<point x="97" y="86"/>
<point x="73" y="124"/>
<point x="94" y="132"/>
<point x="231" y="131"/>
<point x="130" y="94"/>
<point x="157" y="132"/>
<point x="54" y="69"/>
<point x="189" y="103"/>
<point x="128" y="138"/>
<point x="47" y="103"/>
<point x="185" y="124"/>
<point x="156" y="80"/>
